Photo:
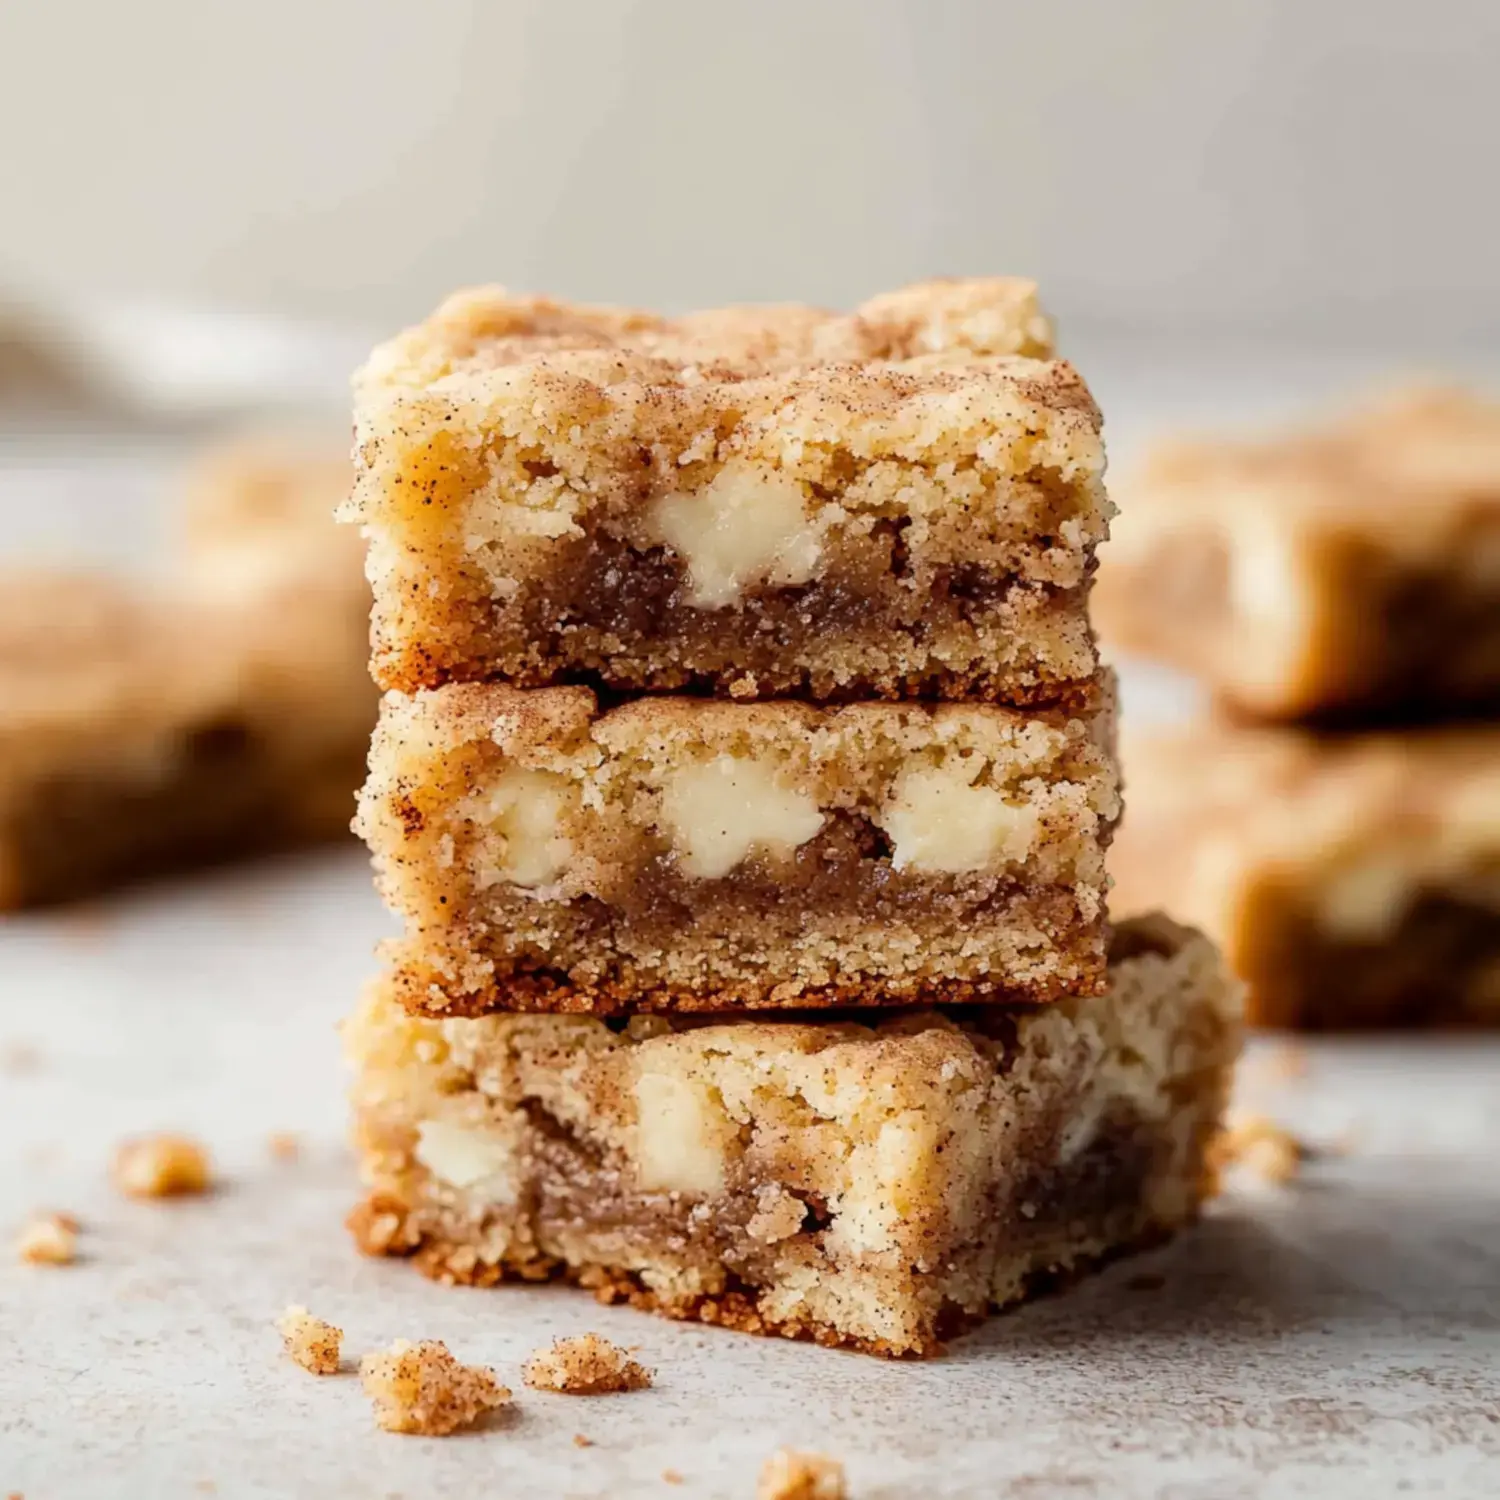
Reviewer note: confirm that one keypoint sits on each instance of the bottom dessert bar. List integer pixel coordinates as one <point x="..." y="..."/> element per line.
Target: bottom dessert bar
<point x="878" y="1182"/>
<point x="1353" y="881"/>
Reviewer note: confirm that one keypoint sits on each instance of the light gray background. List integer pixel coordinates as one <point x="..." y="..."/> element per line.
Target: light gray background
<point x="1295" y="168"/>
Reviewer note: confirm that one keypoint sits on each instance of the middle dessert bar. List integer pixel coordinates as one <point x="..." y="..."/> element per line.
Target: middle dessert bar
<point x="691" y="854"/>
<point x="759" y="502"/>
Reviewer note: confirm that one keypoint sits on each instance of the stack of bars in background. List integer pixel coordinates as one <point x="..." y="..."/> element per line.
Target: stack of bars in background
<point x="1337" y="824"/>
<point x="744" y="786"/>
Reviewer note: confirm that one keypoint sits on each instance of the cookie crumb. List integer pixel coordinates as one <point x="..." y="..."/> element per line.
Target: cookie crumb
<point x="1269" y="1150"/>
<point x="421" y="1388"/>
<point x="790" y="1475"/>
<point x="161" y="1166"/>
<point x="284" y="1145"/>
<point x="312" y="1343"/>
<point x="48" y="1240"/>
<point x="585" y="1366"/>
<point x="671" y="1476"/>
<point x="579" y="1441"/>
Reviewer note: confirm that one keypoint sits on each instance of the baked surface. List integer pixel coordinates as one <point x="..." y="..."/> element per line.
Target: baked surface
<point x="879" y="1182"/>
<point x="682" y="853"/>
<point x="1351" y="572"/>
<point x="758" y="502"/>
<point x="1352" y="881"/>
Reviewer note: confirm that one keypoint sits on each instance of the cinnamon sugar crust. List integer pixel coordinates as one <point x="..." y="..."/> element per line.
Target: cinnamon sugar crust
<point x="588" y="1365"/>
<point x="1352" y="881"/>
<point x="872" y="1181"/>
<point x="1347" y="573"/>
<point x="752" y="501"/>
<point x="691" y="854"/>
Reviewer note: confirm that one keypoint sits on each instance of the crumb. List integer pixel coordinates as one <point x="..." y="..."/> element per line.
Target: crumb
<point x="579" y="1441"/>
<point x="586" y="1366"/>
<point x="671" y="1476"/>
<point x="310" y="1341"/>
<point x="1268" y="1149"/>
<point x="49" y="1240"/>
<point x="161" y="1166"/>
<point x="284" y="1145"/>
<point x="19" y="1057"/>
<point x="789" y="1475"/>
<point x="1145" y="1281"/>
<point x="421" y="1388"/>
<point x="206" y="1487"/>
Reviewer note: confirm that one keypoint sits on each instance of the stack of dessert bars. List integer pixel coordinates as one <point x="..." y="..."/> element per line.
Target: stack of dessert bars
<point x="1335" y="822"/>
<point x="743" y="784"/>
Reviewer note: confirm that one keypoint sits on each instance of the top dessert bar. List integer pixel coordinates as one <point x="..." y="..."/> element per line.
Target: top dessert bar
<point x="753" y="502"/>
<point x="1343" y="574"/>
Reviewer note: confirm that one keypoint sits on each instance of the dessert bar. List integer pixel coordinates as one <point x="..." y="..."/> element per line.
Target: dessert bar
<point x="753" y="502"/>
<point x="1346" y="573"/>
<point x="1352" y="881"/>
<point x="879" y="1180"/>
<point x="682" y="853"/>
<point x="124" y="744"/>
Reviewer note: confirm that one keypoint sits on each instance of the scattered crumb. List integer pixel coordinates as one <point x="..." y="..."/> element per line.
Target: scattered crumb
<point x="161" y="1166"/>
<point x="1146" y="1281"/>
<point x="585" y="1366"/>
<point x="19" y="1057"/>
<point x="579" y="1441"/>
<point x="284" y="1145"/>
<point x="1287" y="1060"/>
<point x="48" y="1240"/>
<point x="671" y="1476"/>
<point x="421" y="1388"/>
<point x="1259" y="1143"/>
<point x="789" y="1475"/>
<point x="206" y="1487"/>
<point x="311" y="1342"/>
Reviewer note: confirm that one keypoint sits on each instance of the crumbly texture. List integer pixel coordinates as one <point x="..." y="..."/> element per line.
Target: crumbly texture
<point x="422" y="1389"/>
<point x="162" y="1166"/>
<point x="585" y="1366"/>
<point x="1351" y="573"/>
<point x="678" y="853"/>
<point x="757" y="502"/>
<point x="312" y="1343"/>
<point x="145" y="732"/>
<point x="48" y="1240"/>
<point x="790" y="1475"/>
<point x="1352" y="881"/>
<point x="876" y="1182"/>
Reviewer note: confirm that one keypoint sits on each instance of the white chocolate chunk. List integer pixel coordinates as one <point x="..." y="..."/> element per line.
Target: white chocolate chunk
<point x="718" y="812"/>
<point x="681" y="1135"/>
<point x="529" y="811"/>
<point x="745" y="527"/>
<point x="462" y="1155"/>
<point x="940" y="822"/>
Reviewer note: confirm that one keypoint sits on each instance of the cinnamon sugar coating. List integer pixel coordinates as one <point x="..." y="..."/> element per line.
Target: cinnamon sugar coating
<point x="752" y="501"/>
<point x="879" y="1182"/>
<point x="585" y="1366"/>
<point x="422" y="1389"/>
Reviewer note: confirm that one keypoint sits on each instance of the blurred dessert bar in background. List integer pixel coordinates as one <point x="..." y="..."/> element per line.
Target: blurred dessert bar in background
<point x="880" y="1180"/>
<point x="767" y="502"/>
<point x="1347" y="573"/>
<point x="678" y="853"/>
<point x="1353" y="880"/>
<point x="147" y="726"/>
